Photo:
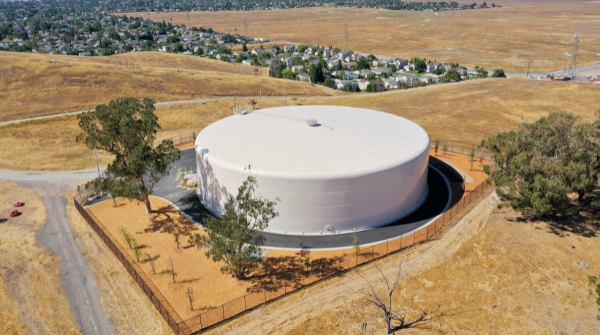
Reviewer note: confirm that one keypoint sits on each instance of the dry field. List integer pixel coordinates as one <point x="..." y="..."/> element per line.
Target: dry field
<point x="35" y="85"/>
<point x="32" y="300"/>
<point x="193" y="270"/>
<point x="504" y="37"/>
<point x="489" y="258"/>
<point x="463" y="113"/>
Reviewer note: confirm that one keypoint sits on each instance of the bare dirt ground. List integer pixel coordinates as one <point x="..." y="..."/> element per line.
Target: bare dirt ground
<point x="506" y="37"/>
<point x="32" y="299"/>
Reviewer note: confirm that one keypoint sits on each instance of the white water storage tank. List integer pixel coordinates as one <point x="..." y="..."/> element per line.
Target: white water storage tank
<point x="346" y="169"/>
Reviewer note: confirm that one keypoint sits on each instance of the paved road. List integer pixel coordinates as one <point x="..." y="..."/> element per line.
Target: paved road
<point x="76" y="278"/>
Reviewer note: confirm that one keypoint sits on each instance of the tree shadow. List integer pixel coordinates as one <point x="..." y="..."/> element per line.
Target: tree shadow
<point x="425" y="319"/>
<point x="276" y="273"/>
<point x="167" y="215"/>
<point x="585" y="223"/>
<point x="3" y="220"/>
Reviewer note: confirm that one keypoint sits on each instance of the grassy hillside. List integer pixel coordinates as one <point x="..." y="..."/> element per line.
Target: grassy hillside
<point x="462" y="113"/>
<point x="506" y="37"/>
<point x="36" y="85"/>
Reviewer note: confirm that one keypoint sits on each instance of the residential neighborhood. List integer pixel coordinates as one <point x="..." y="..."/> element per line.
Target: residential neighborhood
<point x="39" y="28"/>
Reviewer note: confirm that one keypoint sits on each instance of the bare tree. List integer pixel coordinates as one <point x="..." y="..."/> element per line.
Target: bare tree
<point x="381" y="298"/>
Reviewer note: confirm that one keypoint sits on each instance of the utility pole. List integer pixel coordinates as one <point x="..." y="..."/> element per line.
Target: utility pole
<point x="284" y="97"/>
<point x="188" y="17"/>
<point x="345" y="37"/>
<point x="245" y="29"/>
<point x="528" y="63"/>
<point x="556" y="60"/>
<point x="260" y="98"/>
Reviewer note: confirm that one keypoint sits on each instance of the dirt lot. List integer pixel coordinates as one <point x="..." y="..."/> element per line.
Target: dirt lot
<point x="32" y="300"/>
<point x="55" y="84"/>
<point x="193" y="270"/>
<point x="506" y="37"/>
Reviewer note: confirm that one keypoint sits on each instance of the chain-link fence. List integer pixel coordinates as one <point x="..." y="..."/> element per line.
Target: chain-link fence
<point x="249" y="301"/>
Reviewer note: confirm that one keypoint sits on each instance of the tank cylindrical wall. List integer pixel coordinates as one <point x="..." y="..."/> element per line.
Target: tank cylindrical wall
<point x="308" y="205"/>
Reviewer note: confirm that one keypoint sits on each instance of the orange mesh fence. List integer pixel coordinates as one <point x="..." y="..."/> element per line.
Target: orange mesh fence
<point x="270" y="295"/>
<point x="380" y="250"/>
<point x="348" y="261"/>
<point x="312" y="277"/>
<point x="212" y="317"/>
<point x="407" y="241"/>
<point x="420" y="235"/>
<point x="365" y="255"/>
<point x="394" y="245"/>
<point x="254" y="299"/>
<point x="234" y="307"/>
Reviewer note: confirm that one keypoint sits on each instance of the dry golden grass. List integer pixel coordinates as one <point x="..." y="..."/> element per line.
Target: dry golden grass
<point x="463" y="113"/>
<point x="487" y="259"/>
<point x="32" y="300"/>
<point x="128" y="308"/>
<point x="35" y="85"/>
<point x="504" y="37"/>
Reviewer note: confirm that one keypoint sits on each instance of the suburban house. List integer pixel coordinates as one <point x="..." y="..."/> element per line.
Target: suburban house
<point x="343" y="55"/>
<point x="383" y="62"/>
<point x="362" y="84"/>
<point x="391" y="84"/>
<point x="167" y="48"/>
<point x="410" y="79"/>
<point x="459" y="70"/>
<point x="364" y="72"/>
<point x="85" y="54"/>
<point x="297" y="68"/>
<point x="380" y="86"/>
<point x="303" y="77"/>
<point x="329" y="53"/>
<point x="289" y="48"/>
<point x="273" y="52"/>
<point x="287" y="59"/>
<point x="257" y="51"/>
<point x="356" y="57"/>
<point x="431" y="67"/>
<point x="332" y="64"/>
<point x="340" y="84"/>
<point x="381" y="71"/>
<point x="401" y="62"/>
<point x="326" y="72"/>
<point x="247" y="62"/>
<point x="309" y="57"/>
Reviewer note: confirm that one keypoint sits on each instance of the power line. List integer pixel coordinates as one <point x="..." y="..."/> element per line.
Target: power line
<point x="346" y="36"/>
<point x="573" y="62"/>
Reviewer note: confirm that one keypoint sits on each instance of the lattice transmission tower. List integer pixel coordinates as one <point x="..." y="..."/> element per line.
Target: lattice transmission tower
<point x="345" y="37"/>
<point x="188" y="17"/>
<point x="573" y="61"/>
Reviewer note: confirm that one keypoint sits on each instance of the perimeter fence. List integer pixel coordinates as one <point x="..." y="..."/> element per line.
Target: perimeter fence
<point x="461" y="149"/>
<point x="249" y="301"/>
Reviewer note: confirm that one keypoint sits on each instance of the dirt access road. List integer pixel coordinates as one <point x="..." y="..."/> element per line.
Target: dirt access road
<point x="75" y="275"/>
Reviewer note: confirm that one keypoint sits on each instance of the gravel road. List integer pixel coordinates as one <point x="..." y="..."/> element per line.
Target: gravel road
<point x="75" y="275"/>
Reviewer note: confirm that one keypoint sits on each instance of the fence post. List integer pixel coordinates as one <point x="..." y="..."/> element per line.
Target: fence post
<point x="244" y="309"/>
